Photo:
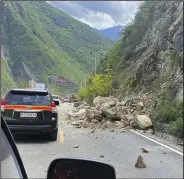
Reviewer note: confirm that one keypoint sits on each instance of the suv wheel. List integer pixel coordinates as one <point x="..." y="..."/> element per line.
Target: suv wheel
<point x="53" y="135"/>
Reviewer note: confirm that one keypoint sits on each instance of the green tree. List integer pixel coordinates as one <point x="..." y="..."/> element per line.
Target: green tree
<point x="98" y="85"/>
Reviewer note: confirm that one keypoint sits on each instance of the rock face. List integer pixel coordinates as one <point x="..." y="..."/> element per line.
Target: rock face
<point x="143" y="121"/>
<point x="154" y="62"/>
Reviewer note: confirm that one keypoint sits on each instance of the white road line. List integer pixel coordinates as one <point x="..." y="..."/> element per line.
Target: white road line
<point x="174" y="150"/>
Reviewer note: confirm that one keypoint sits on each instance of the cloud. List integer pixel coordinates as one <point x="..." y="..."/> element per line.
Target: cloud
<point x="99" y="14"/>
<point x="104" y="20"/>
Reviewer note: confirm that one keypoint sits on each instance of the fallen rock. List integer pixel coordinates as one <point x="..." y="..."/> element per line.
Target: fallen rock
<point x="77" y="126"/>
<point x="77" y="114"/>
<point x="77" y="123"/>
<point x="111" y="113"/>
<point x="112" y="130"/>
<point x="108" y="124"/>
<point x="81" y="114"/>
<point x="104" y="120"/>
<point x="140" y="162"/>
<point x="145" y="150"/>
<point x="143" y="121"/>
<point x="94" y="121"/>
<point x="76" y="146"/>
<point x="93" y="113"/>
<point x="76" y="104"/>
<point x="117" y="123"/>
<point x="140" y="106"/>
<point x="105" y="102"/>
<point x="149" y="131"/>
<point x="123" y="130"/>
<point x="129" y="117"/>
<point x="83" y="106"/>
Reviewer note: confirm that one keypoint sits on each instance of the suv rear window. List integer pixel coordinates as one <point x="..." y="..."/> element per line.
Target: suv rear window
<point x="28" y="98"/>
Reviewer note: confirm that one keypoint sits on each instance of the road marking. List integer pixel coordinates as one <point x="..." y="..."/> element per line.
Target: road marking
<point x="61" y="137"/>
<point x="174" y="150"/>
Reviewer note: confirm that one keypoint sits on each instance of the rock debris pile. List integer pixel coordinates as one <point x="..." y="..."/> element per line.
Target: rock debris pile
<point x="108" y="112"/>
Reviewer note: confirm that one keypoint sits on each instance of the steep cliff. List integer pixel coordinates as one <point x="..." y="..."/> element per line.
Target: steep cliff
<point x="149" y="59"/>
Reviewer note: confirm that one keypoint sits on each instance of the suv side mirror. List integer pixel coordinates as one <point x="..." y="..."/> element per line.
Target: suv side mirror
<point x="56" y="102"/>
<point x="80" y="169"/>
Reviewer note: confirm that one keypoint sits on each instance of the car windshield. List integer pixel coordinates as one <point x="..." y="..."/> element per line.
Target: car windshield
<point x="9" y="165"/>
<point x="28" y="98"/>
<point x="113" y="72"/>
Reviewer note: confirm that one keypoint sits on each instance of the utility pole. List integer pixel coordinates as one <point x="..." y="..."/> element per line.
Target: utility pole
<point x="72" y="84"/>
<point x="95" y="63"/>
<point x="81" y="84"/>
<point x="85" y="82"/>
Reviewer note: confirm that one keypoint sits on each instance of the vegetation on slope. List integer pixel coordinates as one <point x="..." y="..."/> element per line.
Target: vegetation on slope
<point x="6" y="78"/>
<point x="43" y="41"/>
<point x="170" y="114"/>
<point x="98" y="85"/>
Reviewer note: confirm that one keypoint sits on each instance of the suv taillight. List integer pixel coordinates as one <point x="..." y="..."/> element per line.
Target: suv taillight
<point x="53" y="104"/>
<point x="3" y="102"/>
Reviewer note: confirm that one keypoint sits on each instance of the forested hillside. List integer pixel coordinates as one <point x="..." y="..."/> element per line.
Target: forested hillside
<point x="39" y="40"/>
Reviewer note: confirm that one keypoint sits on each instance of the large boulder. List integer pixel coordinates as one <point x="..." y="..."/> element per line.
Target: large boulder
<point x="109" y="124"/>
<point x="111" y="113"/>
<point x="129" y="118"/>
<point x="140" y="105"/>
<point x="105" y="102"/>
<point x="143" y="121"/>
<point x="93" y="113"/>
<point x="79" y="103"/>
<point x="80" y="114"/>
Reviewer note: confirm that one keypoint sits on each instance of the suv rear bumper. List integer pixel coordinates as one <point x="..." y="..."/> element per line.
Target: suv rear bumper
<point x="32" y="129"/>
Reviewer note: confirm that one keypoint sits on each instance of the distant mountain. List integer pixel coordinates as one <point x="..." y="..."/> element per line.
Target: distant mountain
<point x="111" y="33"/>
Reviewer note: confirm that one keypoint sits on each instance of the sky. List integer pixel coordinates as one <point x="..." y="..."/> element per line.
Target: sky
<point x="99" y="14"/>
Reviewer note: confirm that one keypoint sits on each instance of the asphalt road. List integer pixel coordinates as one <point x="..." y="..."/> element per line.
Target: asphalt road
<point x="118" y="149"/>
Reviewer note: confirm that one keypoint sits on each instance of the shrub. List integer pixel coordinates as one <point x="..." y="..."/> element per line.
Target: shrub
<point x="176" y="127"/>
<point x="98" y="85"/>
<point x="172" y="114"/>
<point x="83" y="93"/>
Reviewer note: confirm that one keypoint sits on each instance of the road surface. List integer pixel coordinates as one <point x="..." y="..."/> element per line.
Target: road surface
<point x="118" y="149"/>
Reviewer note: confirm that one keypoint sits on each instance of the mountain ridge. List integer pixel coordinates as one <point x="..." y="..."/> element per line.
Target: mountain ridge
<point x="112" y="32"/>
